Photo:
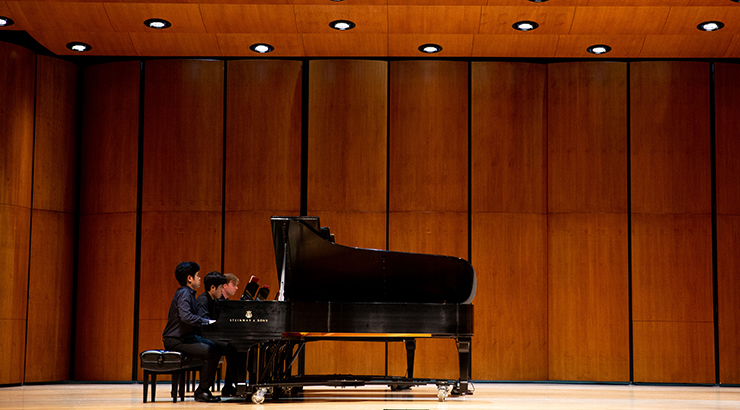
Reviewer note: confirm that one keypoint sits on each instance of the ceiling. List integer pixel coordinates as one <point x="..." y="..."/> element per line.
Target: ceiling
<point x="384" y="28"/>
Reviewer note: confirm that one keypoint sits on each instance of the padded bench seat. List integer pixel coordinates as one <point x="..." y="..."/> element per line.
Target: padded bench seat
<point x="155" y="362"/>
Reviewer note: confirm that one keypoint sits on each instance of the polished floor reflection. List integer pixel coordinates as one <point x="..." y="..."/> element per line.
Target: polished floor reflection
<point x="487" y="396"/>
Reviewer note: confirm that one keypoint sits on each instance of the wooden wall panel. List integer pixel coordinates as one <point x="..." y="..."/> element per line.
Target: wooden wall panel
<point x="183" y="135"/>
<point x="263" y="162"/>
<point x="48" y="343"/>
<point x="727" y="102"/>
<point x="429" y="136"/>
<point x="182" y="181"/>
<point x="509" y="225"/>
<point x="672" y="267"/>
<point x="587" y="137"/>
<point x="673" y="352"/>
<point x="672" y="298"/>
<point x="588" y="301"/>
<point x="670" y="137"/>
<point x="55" y="153"/>
<point x="105" y="313"/>
<point x="429" y="179"/>
<point x="671" y="222"/>
<point x="347" y="135"/>
<point x="510" y="260"/>
<point x="728" y="282"/>
<point x="50" y="304"/>
<point x="509" y="137"/>
<point x="17" y="78"/>
<point x="347" y="179"/>
<point x="263" y="141"/>
<point x="110" y="138"/>
<point x="728" y="223"/>
<point x="17" y="68"/>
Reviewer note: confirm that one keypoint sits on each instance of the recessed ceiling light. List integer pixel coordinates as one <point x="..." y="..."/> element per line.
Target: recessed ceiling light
<point x="261" y="48"/>
<point x="79" y="46"/>
<point x="158" y="24"/>
<point x="6" y="21"/>
<point x="430" y="48"/>
<point x="538" y="1"/>
<point x="342" y="25"/>
<point x="599" y="49"/>
<point x="710" y="25"/>
<point x="525" y="25"/>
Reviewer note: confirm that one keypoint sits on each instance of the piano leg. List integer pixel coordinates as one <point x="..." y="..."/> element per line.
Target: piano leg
<point x="464" y="346"/>
<point x="410" y="353"/>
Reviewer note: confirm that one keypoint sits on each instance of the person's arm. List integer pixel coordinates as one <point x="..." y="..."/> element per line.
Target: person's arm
<point x="185" y="309"/>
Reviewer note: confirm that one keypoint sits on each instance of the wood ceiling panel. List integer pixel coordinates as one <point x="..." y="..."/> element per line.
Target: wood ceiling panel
<point x="128" y="17"/>
<point x="636" y="3"/>
<point x="176" y="45"/>
<point x="552" y="20"/>
<point x="236" y="45"/>
<point x="453" y="45"/>
<point x="103" y="44"/>
<point x="686" y="46"/>
<point x="514" y="45"/>
<point x="550" y="3"/>
<point x="683" y="20"/>
<point x="346" y="45"/>
<point x="622" y="46"/>
<point x="342" y="3"/>
<point x="316" y="19"/>
<point x="437" y="2"/>
<point x="619" y="20"/>
<point x="246" y="18"/>
<point x="434" y="19"/>
<point x="61" y="16"/>
<point x="733" y="50"/>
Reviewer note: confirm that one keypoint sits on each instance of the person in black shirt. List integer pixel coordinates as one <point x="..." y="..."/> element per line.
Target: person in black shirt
<point x="183" y="327"/>
<point x="214" y="284"/>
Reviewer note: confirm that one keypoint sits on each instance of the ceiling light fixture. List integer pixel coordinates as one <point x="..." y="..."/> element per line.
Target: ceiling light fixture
<point x="159" y="24"/>
<point x="342" y="25"/>
<point x="599" y="49"/>
<point x="710" y="25"/>
<point x="538" y="1"/>
<point x="261" y="48"/>
<point x="525" y="25"/>
<point x="6" y="21"/>
<point x="78" y="46"/>
<point x="430" y="48"/>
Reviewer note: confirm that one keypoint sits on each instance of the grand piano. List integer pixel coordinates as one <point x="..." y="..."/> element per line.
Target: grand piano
<point x="334" y="292"/>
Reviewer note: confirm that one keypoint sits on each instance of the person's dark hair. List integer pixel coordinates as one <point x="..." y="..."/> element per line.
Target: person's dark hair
<point x="214" y="279"/>
<point x="185" y="269"/>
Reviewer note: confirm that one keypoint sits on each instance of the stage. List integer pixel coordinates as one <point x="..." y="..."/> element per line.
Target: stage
<point x="488" y="396"/>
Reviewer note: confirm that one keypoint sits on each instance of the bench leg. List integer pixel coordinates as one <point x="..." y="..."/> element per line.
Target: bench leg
<point x="146" y="384"/>
<point x="182" y="385"/>
<point x="154" y="387"/>
<point x="175" y="383"/>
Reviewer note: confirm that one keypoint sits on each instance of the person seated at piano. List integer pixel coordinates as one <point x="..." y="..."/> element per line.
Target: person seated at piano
<point x="231" y="287"/>
<point x="214" y="285"/>
<point x="182" y="332"/>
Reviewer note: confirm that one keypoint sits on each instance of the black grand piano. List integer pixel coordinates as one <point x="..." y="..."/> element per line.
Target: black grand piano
<point x="334" y="292"/>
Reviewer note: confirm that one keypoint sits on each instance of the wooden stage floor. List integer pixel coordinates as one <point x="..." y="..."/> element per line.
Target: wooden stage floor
<point x="487" y="396"/>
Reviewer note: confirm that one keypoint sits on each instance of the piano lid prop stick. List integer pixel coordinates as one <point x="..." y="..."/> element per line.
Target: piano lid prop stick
<point x="281" y="291"/>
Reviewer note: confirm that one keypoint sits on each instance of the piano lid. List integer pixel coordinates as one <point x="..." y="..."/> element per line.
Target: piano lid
<point x="313" y="268"/>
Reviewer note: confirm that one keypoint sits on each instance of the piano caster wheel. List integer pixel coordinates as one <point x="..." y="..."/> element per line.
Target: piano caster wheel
<point x="259" y="396"/>
<point x="443" y="391"/>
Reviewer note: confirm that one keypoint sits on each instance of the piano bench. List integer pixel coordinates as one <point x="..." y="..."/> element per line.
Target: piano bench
<point x="154" y="362"/>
